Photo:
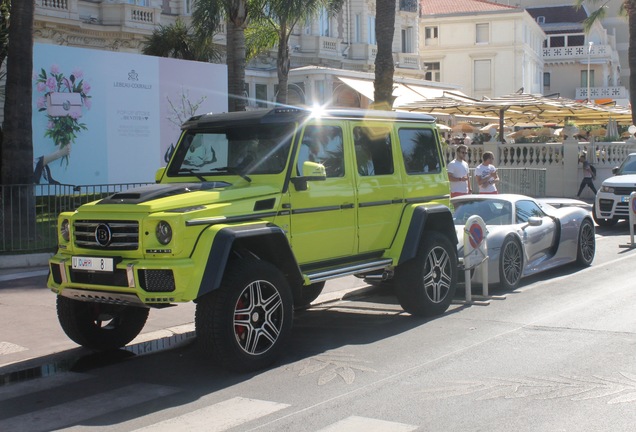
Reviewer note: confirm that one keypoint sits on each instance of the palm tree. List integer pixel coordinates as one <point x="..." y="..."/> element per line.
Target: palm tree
<point x="17" y="146"/>
<point x="384" y="67"/>
<point x="275" y="21"/>
<point x="627" y="7"/>
<point x="16" y="152"/>
<point x="179" y="41"/>
<point x="207" y="19"/>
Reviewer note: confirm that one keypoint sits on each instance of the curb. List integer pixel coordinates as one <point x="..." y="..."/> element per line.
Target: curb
<point x="12" y="262"/>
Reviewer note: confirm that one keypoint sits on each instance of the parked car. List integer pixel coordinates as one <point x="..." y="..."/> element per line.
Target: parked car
<point x="526" y="236"/>
<point x="254" y="212"/>
<point x="612" y="199"/>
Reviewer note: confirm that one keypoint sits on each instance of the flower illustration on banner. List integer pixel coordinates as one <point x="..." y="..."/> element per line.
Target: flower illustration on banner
<point x="63" y="99"/>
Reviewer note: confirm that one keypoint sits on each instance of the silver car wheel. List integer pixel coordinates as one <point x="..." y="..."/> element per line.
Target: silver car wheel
<point x="511" y="263"/>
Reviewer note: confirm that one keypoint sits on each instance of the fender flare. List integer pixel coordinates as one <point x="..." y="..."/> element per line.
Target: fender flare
<point x="435" y="217"/>
<point x="265" y="241"/>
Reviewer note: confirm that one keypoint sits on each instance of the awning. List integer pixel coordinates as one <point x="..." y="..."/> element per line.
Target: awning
<point x="404" y="93"/>
<point x="365" y="88"/>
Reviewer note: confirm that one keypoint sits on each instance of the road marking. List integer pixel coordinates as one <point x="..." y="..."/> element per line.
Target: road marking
<point x="218" y="417"/>
<point x="80" y="410"/>
<point x="10" y="348"/>
<point x="43" y="384"/>
<point x="364" y="424"/>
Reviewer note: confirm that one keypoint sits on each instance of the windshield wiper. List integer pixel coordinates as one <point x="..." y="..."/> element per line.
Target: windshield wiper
<point x="234" y="171"/>
<point x="194" y="173"/>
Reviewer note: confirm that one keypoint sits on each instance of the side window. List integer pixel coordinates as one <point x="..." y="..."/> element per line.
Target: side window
<point x="323" y="144"/>
<point x="419" y="150"/>
<point x="527" y="209"/>
<point x="373" y="150"/>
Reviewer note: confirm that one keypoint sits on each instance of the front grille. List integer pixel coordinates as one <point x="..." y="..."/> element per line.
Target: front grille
<point x="124" y="235"/>
<point x="116" y="278"/>
<point x="156" y="280"/>
<point x="624" y="190"/>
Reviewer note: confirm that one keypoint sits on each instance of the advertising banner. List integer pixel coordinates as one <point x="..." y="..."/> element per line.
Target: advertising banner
<point x="102" y="117"/>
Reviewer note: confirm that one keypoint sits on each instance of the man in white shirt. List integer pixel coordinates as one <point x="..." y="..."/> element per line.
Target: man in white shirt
<point x="458" y="173"/>
<point x="486" y="174"/>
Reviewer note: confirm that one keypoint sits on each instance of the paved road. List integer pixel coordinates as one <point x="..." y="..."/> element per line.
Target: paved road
<point x="557" y="354"/>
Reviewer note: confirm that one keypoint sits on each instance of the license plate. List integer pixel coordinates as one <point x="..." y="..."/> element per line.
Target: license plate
<point x="624" y="199"/>
<point x="93" y="264"/>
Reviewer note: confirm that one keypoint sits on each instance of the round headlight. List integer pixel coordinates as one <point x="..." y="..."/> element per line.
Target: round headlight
<point x="65" y="231"/>
<point x="164" y="232"/>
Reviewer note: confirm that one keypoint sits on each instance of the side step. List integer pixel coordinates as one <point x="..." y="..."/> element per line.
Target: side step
<point x="323" y="274"/>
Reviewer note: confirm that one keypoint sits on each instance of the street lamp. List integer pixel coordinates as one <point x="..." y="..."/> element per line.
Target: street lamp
<point x="589" y="51"/>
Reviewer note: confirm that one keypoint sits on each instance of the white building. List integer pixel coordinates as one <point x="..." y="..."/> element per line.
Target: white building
<point x="479" y="47"/>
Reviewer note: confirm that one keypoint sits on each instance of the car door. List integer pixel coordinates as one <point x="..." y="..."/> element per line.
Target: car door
<point x="379" y="187"/>
<point x="538" y="240"/>
<point x="323" y="222"/>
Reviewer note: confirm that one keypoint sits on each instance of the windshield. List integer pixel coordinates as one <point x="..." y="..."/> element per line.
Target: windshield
<point x="493" y="212"/>
<point x="237" y="150"/>
<point x="628" y="166"/>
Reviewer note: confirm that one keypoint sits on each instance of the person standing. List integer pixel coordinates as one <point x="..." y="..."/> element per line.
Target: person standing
<point x="458" y="173"/>
<point x="486" y="174"/>
<point x="588" y="176"/>
<point x="467" y="140"/>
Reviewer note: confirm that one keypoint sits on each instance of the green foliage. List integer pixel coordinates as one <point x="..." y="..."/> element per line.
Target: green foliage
<point x="182" y="42"/>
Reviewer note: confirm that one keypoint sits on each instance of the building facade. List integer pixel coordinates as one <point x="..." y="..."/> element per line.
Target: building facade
<point x="482" y="48"/>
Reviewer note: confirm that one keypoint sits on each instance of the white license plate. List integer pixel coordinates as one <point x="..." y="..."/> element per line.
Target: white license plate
<point x="93" y="264"/>
<point x="624" y="199"/>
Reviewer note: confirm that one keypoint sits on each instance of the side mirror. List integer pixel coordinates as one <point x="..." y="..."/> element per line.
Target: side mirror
<point x="535" y="221"/>
<point x="312" y="171"/>
<point x="159" y="174"/>
<point x="614" y="170"/>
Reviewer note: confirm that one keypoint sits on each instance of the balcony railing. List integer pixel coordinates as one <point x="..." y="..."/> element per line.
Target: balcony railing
<point x="320" y="45"/>
<point x="578" y="53"/>
<point x="408" y="61"/>
<point x="617" y="92"/>
<point x="361" y="51"/>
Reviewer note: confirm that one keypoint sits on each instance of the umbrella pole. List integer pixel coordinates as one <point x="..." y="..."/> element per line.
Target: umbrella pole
<point x="501" y="125"/>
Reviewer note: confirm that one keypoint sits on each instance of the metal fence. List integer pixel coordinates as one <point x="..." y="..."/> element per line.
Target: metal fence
<point x="28" y="213"/>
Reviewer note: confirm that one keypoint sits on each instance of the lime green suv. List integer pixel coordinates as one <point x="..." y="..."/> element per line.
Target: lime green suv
<point x="254" y="212"/>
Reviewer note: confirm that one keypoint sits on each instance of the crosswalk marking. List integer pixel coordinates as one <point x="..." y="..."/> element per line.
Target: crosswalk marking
<point x="218" y="417"/>
<point x="10" y="348"/>
<point x="364" y="424"/>
<point x="82" y="409"/>
<point x="16" y="390"/>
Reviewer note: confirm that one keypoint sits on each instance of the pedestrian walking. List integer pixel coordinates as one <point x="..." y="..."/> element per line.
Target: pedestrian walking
<point x="588" y="176"/>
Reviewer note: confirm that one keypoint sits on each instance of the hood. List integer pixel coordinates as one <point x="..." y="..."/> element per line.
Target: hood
<point x="181" y="196"/>
<point x="627" y="180"/>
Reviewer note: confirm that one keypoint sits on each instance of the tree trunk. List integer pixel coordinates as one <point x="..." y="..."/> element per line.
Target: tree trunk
<point x="282" y="65"/>
<point x="16" y="152"/>
<point x="236" y="32"/>
<point x="384" y="67"/>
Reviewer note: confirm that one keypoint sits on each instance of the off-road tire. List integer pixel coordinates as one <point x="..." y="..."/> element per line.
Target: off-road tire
<point x="245" y="324"/>
<point x="100" y="326"/>
<point x="426" y="285"/>
<point x="304" y="295"/>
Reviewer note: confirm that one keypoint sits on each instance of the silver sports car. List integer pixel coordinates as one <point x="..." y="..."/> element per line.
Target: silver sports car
<point x="526" y="235"/>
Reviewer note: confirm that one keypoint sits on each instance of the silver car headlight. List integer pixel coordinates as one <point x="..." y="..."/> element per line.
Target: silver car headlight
<point x="607" y="189"/>
<point x="163" y="232"/>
